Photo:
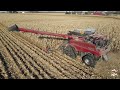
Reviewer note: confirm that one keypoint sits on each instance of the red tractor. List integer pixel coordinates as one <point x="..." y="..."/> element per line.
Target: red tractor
<point x="89" y="46"/>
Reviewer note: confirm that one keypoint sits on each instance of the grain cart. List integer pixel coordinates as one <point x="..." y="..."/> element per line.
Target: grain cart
<point x="88" y="45"/>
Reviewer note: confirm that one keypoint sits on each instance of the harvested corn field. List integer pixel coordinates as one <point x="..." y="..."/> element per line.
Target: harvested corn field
<point x="23" y="55"/>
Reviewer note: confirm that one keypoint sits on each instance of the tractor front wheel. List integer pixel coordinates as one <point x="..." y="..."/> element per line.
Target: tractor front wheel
<point x="89" y="60"/>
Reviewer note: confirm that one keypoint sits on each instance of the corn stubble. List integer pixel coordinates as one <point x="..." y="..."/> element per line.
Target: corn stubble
<point x="36" y="64"/>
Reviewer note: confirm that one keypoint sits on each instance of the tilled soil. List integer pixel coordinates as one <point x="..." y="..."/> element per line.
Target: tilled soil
<point x="23" y="55"/>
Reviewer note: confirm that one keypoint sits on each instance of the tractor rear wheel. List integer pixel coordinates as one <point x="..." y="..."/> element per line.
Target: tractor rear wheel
<point x="70" y="51"/>
<point x="89" y="60"/>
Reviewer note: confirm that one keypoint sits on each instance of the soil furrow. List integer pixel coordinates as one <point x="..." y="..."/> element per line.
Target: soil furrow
<point x="11" y="67"/>
<point x="27" y="60"/>
<point x="48" y="65"/>
<point x="16" y="60"/>
<point x="3" y="71"/>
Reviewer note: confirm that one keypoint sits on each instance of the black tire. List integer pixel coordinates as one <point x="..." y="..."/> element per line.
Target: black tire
<point x="70" y="51"/>
<point x="89" y="60"/>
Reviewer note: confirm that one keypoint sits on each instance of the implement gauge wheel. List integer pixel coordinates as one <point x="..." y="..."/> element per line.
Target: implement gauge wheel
<point x="70" y="51"/>
<point x="89" y="60"/>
